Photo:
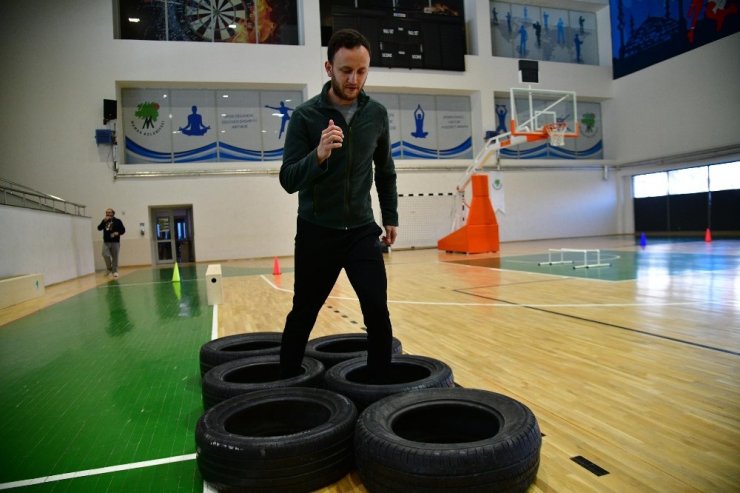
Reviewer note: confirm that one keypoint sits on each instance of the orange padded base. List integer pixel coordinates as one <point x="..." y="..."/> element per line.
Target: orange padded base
<point x="480" y="232"/>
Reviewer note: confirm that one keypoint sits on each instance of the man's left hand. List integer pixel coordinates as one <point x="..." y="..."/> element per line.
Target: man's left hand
<point x="390" y="235"/>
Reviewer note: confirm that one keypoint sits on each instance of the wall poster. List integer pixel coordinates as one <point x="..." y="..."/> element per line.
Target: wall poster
<point x="220" y="21"/>
<point x="429" y="127"/>
<point x="543" y="33"/>
<point x="202" y="125"/>
<point x="645" y="33"/>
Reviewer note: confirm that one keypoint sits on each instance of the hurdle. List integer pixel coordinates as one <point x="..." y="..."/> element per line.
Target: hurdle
<point x="585" y="253"/>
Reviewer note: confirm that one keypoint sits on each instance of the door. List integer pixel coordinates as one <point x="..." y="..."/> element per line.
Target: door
<point x="173" y="238"/>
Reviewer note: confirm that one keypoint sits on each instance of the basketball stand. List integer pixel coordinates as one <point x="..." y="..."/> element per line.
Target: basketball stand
<point x="536" y="115"/>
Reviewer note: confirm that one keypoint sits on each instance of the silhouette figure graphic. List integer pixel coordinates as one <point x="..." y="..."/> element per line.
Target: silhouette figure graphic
<point x="522" y="40"/>
<point x="538" y="32"/>
<point x="501" y="112"/>
<point x="419" y="133"/>
<point x="195" y="124"/>
<point x="561" y="31"/>
<point x="284" y="113"/>
<point x="578" y="42"/>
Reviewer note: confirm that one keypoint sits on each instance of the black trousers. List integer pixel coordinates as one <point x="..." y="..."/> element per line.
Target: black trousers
<point x="320" y="255"/>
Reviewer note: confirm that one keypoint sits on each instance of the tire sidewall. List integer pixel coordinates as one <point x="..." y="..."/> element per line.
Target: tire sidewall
<point x="517" y="425"/>
<point x="216" y="387"/>
<point x="316" y="348"/>
<point x="364" y="394"/>
<point x="216" y="352"/>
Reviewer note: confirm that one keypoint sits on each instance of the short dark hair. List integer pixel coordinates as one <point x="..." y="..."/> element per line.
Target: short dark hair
<point x="346" y="38"/>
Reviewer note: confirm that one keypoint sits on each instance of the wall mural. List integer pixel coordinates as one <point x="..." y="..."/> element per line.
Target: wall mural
<point x="201" y="125"/>
<point x="648" y="32"/>
<point x="588" y="144"/>
<point x="194" y="125"/>
<point x="428" y="127"/>
<point x="543" y="33"/>
<point x="226" y="21"/>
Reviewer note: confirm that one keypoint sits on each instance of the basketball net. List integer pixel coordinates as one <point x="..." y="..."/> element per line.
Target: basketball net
<point x="556" y="133"/>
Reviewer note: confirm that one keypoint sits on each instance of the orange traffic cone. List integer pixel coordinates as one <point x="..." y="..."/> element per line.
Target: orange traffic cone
<point x="708" y="236"/>
<point x="276" y="267"/>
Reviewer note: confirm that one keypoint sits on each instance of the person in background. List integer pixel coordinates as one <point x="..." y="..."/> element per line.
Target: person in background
<point x="112" y="229"/>
<point x="330" y="146"/>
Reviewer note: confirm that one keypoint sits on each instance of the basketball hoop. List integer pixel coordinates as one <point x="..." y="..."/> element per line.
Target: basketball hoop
<point x="556" y="132"/>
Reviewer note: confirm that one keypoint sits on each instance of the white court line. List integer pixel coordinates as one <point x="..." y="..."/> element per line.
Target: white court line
<point x="214" y="323"/>
<point x="505" y="305"/>
<point x="94" y="472"/>
<point x="136" y="284"/>
<point x="214" y="335"/>
<point x="274" y="286"/>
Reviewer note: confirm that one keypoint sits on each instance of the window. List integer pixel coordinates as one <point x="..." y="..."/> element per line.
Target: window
<point x="715" y="177"/>
<point x="652" y="185"/>
<point x="724" y="176"/>
<point x="688" y="180"/>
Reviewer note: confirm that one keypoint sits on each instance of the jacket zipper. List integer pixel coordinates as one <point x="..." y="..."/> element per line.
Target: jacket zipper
<point x="348" y="181"/>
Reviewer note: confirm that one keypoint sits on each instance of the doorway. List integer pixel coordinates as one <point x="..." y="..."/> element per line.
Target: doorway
<point x="172" y="234"/>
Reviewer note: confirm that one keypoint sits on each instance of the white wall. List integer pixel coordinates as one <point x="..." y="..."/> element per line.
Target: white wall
<point x="683" y="105"/>
<point x="56" y="78"/>
<point x="37" y="242"/>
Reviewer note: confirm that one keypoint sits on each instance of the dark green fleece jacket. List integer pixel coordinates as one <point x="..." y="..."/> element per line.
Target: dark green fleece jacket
<point x="336" y="194"/>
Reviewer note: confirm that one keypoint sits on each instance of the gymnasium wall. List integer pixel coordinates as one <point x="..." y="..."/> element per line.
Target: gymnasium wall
<point x="38" y="242"/>
<point x="683" y="105"/>
<point x="57" y="73"/>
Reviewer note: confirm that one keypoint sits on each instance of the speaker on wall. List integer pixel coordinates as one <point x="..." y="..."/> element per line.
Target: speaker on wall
<point x="529" y="71"/>
<point x="110" y="110"/>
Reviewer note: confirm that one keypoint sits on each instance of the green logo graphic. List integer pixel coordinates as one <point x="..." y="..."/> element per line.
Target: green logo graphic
<point x="149" y="112"/>
<point x="588" y="124"/>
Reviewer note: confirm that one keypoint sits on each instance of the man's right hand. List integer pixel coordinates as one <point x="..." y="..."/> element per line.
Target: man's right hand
<point x="331" y="138"/>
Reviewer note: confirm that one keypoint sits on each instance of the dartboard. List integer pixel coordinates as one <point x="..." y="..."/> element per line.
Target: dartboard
<point x="211" y="19"/>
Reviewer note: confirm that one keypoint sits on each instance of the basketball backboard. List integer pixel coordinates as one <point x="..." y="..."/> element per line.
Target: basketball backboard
<point x="534" y="110"/>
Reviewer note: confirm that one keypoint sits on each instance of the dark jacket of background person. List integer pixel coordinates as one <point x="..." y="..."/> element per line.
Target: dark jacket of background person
<point x="116" y="225"/>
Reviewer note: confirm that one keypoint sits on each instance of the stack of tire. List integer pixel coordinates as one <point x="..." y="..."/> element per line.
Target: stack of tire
<point x="414" y="432"/>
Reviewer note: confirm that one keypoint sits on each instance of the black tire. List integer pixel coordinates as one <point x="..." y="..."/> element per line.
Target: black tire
<point x="408" y="372"/>
<point x="229" y="348"/>
<point x="247" y="375"/>
<point x="334" y="349"/>
<point x="288" y="440"/>
<point x="443" y="440"/>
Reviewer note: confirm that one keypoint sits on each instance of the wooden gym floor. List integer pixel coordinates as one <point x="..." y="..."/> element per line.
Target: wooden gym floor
<point x="632" y="370"/>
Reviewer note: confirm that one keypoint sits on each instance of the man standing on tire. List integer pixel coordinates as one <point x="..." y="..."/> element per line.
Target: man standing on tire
<point x="331" y="144"/>
<point x="112" y="229"/>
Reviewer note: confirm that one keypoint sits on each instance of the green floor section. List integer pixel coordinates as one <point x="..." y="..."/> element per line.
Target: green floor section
<point x="108" y="377"/>
<point x="622" y="265"/>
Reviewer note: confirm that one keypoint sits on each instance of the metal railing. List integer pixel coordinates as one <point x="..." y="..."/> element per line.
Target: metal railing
<point x="17" y="195"/>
